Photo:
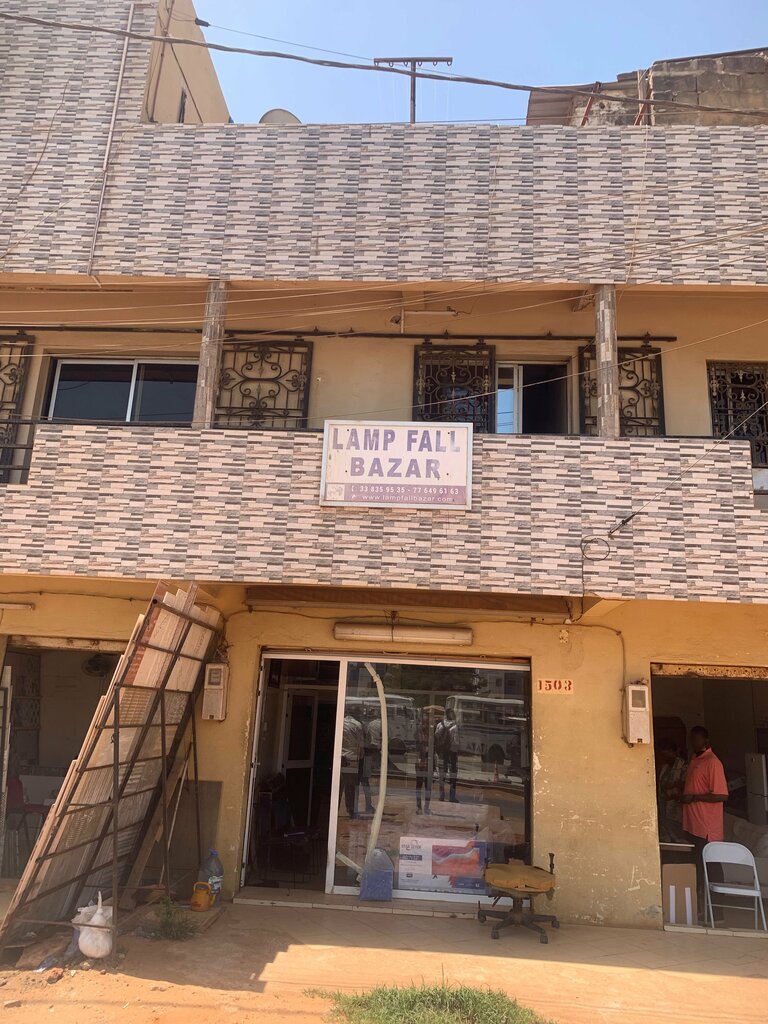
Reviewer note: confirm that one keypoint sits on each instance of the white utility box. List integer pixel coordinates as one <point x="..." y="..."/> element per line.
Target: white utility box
<point x="215" y="690"/>
<point x="637" y="713"/>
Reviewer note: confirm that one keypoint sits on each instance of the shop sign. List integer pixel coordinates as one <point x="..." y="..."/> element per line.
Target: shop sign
<point x="414" y="465"/>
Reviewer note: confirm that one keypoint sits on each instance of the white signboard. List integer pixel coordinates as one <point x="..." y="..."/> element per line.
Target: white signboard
<point x="414" y="465"/>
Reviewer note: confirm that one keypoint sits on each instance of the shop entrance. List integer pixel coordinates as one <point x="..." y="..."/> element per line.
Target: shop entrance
<point x="427" y="760"/>
<point x="54" y="694"/>
<point x="292" y="779"/>
<point x="731" y="703"/>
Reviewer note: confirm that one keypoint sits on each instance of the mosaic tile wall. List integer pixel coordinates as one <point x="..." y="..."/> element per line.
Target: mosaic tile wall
<point x="244" y="506"/>
<point x="675" y="205"/>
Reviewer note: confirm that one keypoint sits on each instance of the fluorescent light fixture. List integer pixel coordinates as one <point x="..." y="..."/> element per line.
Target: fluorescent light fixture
<point x="448" y="311"/>
<point x="16" y="606"/>
<point x="454" y="636"/>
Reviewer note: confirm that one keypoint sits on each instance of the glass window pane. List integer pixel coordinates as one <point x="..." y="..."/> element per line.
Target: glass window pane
<point x="453" y="771"/>
<point x="165" y="393"/>
<point x="507" y="401"/>
<point x="92" y="391"/>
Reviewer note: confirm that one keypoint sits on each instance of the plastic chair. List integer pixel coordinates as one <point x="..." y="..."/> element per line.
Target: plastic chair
<point x="737" y="855"/>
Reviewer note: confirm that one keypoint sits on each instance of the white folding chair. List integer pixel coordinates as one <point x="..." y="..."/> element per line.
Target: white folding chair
<point x="736" y="855"/>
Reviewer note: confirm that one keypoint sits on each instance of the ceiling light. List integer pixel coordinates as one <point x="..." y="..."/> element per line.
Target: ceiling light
<point x="17" y="606"/>
<point x="455" y="636"/>
<point x="448" y="311"/>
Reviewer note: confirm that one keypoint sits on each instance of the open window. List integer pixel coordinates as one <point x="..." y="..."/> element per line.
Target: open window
<point x="532" y="398"/>
<point x="125" y="391"/>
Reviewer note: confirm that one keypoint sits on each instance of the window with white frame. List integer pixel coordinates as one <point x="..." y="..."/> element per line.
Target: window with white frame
<point x="532" y="398"/>
<point x="123" y="391"/>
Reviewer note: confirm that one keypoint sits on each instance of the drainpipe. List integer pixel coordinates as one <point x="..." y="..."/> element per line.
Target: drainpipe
<point x="110" y="138"/>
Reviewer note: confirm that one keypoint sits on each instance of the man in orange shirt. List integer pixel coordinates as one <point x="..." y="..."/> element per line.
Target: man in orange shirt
<point x="704" y="794"/>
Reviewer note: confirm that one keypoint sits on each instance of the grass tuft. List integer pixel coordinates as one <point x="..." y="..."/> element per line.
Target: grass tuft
<point x="173" y="923"/>
<point x="428" y="1004"/>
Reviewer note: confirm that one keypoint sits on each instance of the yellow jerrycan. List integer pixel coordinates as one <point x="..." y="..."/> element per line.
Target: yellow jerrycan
<point x="202" y="897"/>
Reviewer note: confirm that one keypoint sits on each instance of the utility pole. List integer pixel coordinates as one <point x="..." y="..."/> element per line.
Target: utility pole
<point x="413" y="63"/>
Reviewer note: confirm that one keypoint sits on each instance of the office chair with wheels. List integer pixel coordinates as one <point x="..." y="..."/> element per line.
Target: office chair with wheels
<point x="518" y="882"/>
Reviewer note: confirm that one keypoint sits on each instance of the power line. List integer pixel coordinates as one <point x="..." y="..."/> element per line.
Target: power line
<point x="270" y="39"/>
<point x="381" y="69"/>
<point x="485" y="394"/>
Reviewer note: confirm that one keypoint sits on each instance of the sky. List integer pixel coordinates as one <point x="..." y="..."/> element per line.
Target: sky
<point x="552" y="42"/>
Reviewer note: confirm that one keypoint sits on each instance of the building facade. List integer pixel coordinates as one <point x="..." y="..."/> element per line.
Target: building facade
<point x="185" y="305"/>
<point x="709" y="89"/>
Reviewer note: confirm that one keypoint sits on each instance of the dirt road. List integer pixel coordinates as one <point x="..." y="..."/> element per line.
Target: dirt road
<point x="254" y="965"/>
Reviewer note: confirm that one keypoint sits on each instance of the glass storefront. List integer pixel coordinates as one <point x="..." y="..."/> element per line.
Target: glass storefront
<point x="434" y="768"/>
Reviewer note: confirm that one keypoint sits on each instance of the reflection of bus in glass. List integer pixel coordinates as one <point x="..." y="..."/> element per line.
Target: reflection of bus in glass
<point x="401" y="719"/>
<point x="494" y="728"/>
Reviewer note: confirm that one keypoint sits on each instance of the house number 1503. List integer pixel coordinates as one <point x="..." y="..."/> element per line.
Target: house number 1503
<point x="555" y="685"/>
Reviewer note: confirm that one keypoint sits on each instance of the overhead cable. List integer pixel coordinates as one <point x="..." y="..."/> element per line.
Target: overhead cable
<point x="379" y="68"/>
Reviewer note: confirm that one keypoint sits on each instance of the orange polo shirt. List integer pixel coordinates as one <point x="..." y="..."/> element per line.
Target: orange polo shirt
<point x="705" y="775"/>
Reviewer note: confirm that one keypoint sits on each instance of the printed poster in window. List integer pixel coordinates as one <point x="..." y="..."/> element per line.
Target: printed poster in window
<point x="441" y="865"/>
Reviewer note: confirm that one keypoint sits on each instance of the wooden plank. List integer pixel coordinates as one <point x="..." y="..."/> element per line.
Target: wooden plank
<point x="66" y="643"/>
<point x="74" y="852"/>
<point x="375" y="597"/>
<point x="151" y="837"/>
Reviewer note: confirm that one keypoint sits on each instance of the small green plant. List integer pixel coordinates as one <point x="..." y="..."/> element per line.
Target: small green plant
<point x="173" y="922"/>
<point x="428" y="1004"/>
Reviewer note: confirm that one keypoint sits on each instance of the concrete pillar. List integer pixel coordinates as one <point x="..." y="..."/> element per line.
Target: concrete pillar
<point x="210" y="355"/>
<point x="607" y="348"/>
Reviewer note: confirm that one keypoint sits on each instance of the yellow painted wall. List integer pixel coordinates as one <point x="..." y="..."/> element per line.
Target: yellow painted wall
<point x="593" y="797"/>
<point x="373" y="378"/>
<point x="173" y="68"/>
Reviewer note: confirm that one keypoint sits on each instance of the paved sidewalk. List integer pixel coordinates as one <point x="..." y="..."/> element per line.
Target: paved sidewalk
<point x="585" y="975"/>
<point x="254" y="965"/>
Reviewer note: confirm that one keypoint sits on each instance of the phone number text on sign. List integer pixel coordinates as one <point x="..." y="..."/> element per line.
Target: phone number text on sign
<point x="555" y="686"/>
<point x="411" y="465"/>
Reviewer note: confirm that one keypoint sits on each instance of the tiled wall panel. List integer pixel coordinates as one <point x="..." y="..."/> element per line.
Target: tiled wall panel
<point x="244" y="507"/>
<point x="665" y="205"/>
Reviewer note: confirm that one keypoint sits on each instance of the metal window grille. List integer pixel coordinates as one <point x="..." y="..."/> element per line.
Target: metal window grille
<point x="14" y="352"/>
<point x="738" y="393"/>
<point x="641" y="391"/>
<point x="264" y="385"/>
<point x="456" y="384"/>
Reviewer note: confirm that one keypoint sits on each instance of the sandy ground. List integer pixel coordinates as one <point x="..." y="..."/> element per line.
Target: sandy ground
<point x="255" y="964"/>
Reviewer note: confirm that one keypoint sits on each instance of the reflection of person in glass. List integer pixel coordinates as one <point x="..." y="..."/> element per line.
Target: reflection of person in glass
<point x="425" y="755"/>
<point x="447" y="749"/>
<point x="352" y="751"/>
<point x="370" y="759"/>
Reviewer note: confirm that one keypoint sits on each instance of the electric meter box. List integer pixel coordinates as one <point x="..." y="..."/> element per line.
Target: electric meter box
<point x="637" y="713"/>
<point x="215" y="691"/>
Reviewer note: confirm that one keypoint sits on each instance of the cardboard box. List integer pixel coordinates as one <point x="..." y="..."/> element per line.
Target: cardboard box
<point x="441" y="865"/>
<point x="678" y="886"/>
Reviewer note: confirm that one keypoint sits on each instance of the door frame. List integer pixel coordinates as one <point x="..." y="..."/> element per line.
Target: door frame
<point x="343" y="659"/>
<point x="286" y="711"/>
